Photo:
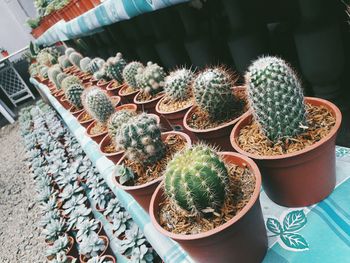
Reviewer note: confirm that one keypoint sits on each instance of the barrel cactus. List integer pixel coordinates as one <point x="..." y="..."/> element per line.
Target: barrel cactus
<point x="73" y="94"/>
<point x="276" y="97"/>
<point x="84" y="63"/>
<point x="117" y="119"/>
<point x="64" y="62"/>
<point x="69" y="81"/>
<point x="213" y="93"/>
<point x="95" y="65"/>
<point x="130" y="72"/>
<point x="69" y="51"/>
<point x="45" y="58"/>
<point x="196" y="179"/>
<point x="98" y="104"/>
<point x="178" y="84"/>
<point x="53" y="73"/>
<point x="115" y="66"/>
<point x="44" y="72"/>
<point x="150" y="79"/>
<point x="60" y="77"/>
<point x="141" y="140"/>
<point x="75" y="59"/>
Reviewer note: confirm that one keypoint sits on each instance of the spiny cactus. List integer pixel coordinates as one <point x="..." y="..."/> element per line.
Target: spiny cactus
<point x="98" y="104"/>
<point x="178" y="84"/>
<point x="196" y="179"/>
<point x="84" y="63"/>
<point x="75" y="58"/>
<point x="95" y="65"/>
<point x="64" y="62"/>
<point x="69" y="81"/>
<point x="44" y="72"/>
<point x="116" y="120"/>
<point x="45" y="58"/>
<point x="150" y="79"/>
<point x="141" y="140"/>
<point x="69" y="51"/>
<point x="276" y="98"/>
<point x="115" y="66"/>
<point x="60" y="78"/>
<point x="53" y="73"/>
<point x="213" y="93"/>
<point x="73" y="95"/>
<point x="129" y="73"/>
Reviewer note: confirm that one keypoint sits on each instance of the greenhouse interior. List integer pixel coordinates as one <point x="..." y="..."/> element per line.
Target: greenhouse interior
<point x="175" y="131"/>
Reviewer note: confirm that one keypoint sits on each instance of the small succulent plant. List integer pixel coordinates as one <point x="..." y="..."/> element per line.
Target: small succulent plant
<point x="64" y="62"/>
<point x="197" y="179"/>
<point x="84" y="64"/>
<point x="79" y="214"/>
<point x="178" y="84"/>
<point x="142" y="254"/>
<point x="276" y="97"/>
<point x="70" y="190"/>
<point x="134" y="239"/>
<point x="53" y="72"/>
<point x="59" y="79"/>
<point x="130" y="72"/>
<point x="92" y="246"/>
<point x="54" y="229"/>
<point x="48" y="217"/>
<point x="69" y="51"/>
<point x="95" y="65"/>
<point x="75" y="58"/>
<point x="44" y="72"/>
<point x="98" y="259"/>
<point x="45" y="193"/>
<point x="101" y="195"/>
<point x="73" y="94"/>
<point x="50" y="205"/>
<point x="121" y="222"/>
<point x="86" y="228"/>
<point x="150" y="79"/>
<point x="60" y="245"/>
<point x="116" y="120"/>
<point x="61" y="257"/>
<point x="114" y="67"/>
<point x="141" y="140"/>
<point x="113" y="208"/>
<point x="73" y="203"/>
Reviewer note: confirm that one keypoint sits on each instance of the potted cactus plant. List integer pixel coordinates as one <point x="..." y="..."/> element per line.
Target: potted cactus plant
<point x="85" y="119"/>
<point x="218" y="107"/>
<point x="146" y="152"/>
<point x="114" y="68"/>
<point x="130" y="88"/>
<point x="292" y="138"/>
<point x="199" y="187"/>
<point x="73" y="95"/>
<point x="100" y="107"/>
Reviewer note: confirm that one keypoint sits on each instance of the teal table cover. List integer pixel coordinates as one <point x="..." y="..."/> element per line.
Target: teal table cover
<point x="314" y="234"/>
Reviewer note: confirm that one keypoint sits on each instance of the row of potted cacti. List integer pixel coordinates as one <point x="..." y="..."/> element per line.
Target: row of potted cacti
<point x="291" y="138"/>
<point x="63" y="176"/>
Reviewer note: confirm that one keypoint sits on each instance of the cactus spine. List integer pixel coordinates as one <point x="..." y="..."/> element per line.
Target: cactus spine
<point x="276" y="98"/>
<point x="115" y="67"/>
<point x="213" y="93"/>
<point x="141" y="140"/>
<point x="116" y="121"/>
<point x="69" y="81"/>
<point x="150" y="79"/>
<point x="178" y="84"/>
<point x="98" y="104"/>
<point x="130" y="72"/>
<point x="84" y="64"/>
<point x="44" y="72"/>
<point x="73" y="95"/>
<point x="60" y="77"/>
<point x="64" y="62"/>
<point x="95" y="65"/>
<point x="196" y="179"/>
<point x="53" y="73"/>
<point x="69" y="51"/>
<point x="75" y="58"/>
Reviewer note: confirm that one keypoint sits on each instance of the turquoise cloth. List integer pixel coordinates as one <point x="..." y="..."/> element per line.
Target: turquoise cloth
<point x="319" y="233"/>
<point x="108" y="12"/>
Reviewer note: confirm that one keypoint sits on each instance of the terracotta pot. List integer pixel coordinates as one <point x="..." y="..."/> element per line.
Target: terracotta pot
<point x="58" y="95"/>
<point x="175" y="118"/>
<point x="109" y="258"/>
<point x="218" y="136"/>
<point x="242" y="239"/>
<point x="64" y="102"/>
<point x="143" y="193"/>
<point x="99" y="232"/>
<point x="93" y="81"/>
<point x="84" y="258"/>
<point x="103" y="84"/>
<point x="69" y="249"/>
<point x="68" y="70"/>
<point x="116" y="100"/>
<point x="75" y="112"/>
<point x="86" y="123"/>
<point x="96" y="137"/>
<point x="301" y="178"/>
<point x="113" y="88"/>
<point x="129" y="106"/>
<point x="86" y="79"/>
<point x="127" y="97"/>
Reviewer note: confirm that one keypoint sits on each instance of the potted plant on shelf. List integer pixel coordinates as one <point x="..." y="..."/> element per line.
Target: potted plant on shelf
<point x="292" y="138"/>
<point x="114" y="70"/>
<point x="88" y="227"/>
<point x="103" y="259"/>
<point x="101" y="194"/>
<point x="100" y="107"/>
<point x="120" y="223"/>
<point x="218" y="107"/>
<point x="209" y="204"/>
<point x="63" y="244"/>
<point x="73" y="95"/>
<point x="130" y="88"/>
<point x="93" y="246"/>
<point x="147" y="151"/>
<point x="61" y="257"/>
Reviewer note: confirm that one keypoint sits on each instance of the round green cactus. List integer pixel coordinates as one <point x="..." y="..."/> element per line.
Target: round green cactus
<point x="73" y="94"/>
<point x="60" y="77"/>
<point x="115" y="67"/>
<point x="69" y="51"/>
<point x="150" y="79"/>
<point x="213" y="93"/>
<point x="69" y="81"/>
<point x="276" y="98"/>
<point x="44" y="72"/>
<point x="178" y="84"/>
<point x="53" y="73"/>
<point x="196" y="179"/>
<point x="64" y="62"/>
<point x="129" y="73"/>
<point x="141" y="140"/>
<point x="98" y="104"/>
<point x="84" y="63"/>
<point x="75" y="58"/>
<point x="116" y="121"/>
<point x="95" y="65"/>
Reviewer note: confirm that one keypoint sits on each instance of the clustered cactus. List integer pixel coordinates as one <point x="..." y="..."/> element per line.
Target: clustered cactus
<point x="150" y="79"/>
<point x="276" y="98"/>
<point x="116" y="121"/>
<point x="73" y="94"/>
<point x="197" y="179"/>
<point x="130" y="72"/>
<point x="141" y="140"/>
<point x="98" y="104"/>
<point x="213" y="93"/>
<point x="115" y="67"/>
<point x="178" y="84"/>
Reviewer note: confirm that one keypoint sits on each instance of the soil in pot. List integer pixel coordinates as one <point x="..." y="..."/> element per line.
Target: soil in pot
<point x="168" y="105"/>
<point x="97" y="129"/>
<point x="84" y="117"/>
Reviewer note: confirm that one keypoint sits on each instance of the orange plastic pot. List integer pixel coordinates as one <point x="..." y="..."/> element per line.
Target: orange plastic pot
<point x="75" y="112"/>
<point x="127" y="97"/>
<point x="85" y="123"/>
<point x="242" y="239"/>
<point x="64" y="102"/>
<point x="95" y="137"/>
<point x="113" y="88"/>
<point x="103" y="84"/>
<point x="143" y="193"/>
<point x="301" y="178"/>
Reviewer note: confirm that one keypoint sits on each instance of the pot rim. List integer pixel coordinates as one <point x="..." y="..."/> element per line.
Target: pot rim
<point x="99" y="82"/>
<point x="127" y="94"/>
<point x="91" y="125"/>
<point x="194" y="130"/>
<point x="75" y="112"/>
<point x="255" y="196"/>
<point x="118" y="100"/>
<point x="159" y="95"/>
<point x="86" y="121"/>
<point x="155" y="181"/>
<point x="127" y="105"/>
<point x="171" y="112"/>
<point x="329" y="105"/>
<point x="109" y="86"/>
